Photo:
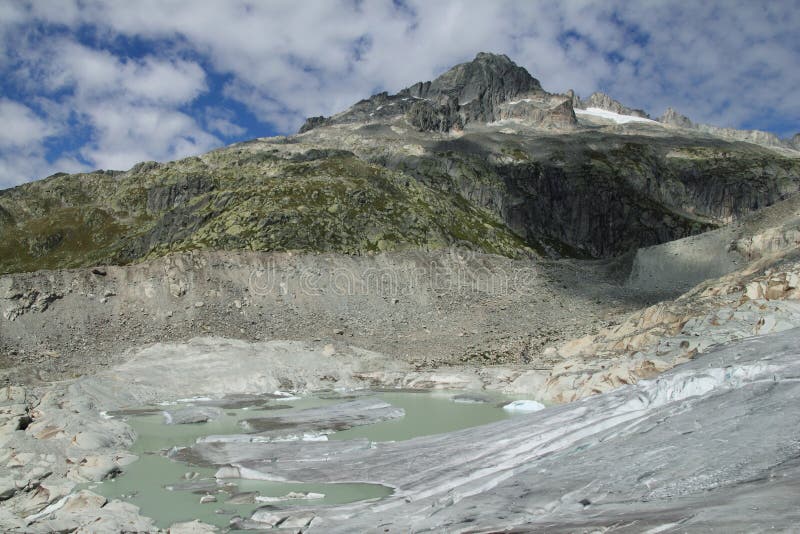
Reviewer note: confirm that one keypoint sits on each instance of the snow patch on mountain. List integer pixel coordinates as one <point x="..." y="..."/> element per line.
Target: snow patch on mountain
<point x="610" y="115"/>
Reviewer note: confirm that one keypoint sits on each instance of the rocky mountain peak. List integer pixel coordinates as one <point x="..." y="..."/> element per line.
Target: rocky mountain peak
<point x="492" y="88"/>
<point x="489" y="57"/>
<point x="673" y="118"/>
<point x="603" y="101"/>
<point x="795" y="141"/>
<point x="488" y="77"/>
<point x="574" y="99"/>
<point x="470" y="92"/>
<point x="474" y="91"/>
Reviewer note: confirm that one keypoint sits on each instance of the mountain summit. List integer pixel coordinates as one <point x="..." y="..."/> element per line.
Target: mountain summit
<point x="477" y="88"/>
<point x="487" y="89"/>
<point x="487" y="77"/>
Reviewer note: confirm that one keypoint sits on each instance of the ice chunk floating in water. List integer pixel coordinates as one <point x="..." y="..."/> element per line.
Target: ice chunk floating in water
<point x="524" y="406"/>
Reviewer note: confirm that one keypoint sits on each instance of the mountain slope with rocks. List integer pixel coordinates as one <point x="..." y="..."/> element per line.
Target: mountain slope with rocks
<point x="481" y="157"/>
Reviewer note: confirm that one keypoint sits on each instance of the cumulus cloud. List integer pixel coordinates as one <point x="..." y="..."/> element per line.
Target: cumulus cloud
<point x="129" y="106"/>
<point x="22" y="145"/>
<point x="154" y="79"/>
<point x="129" y="133"/>
<point x="222" y="121"/>
<point x="22" y="125"/>
<point x="99" y="74"/>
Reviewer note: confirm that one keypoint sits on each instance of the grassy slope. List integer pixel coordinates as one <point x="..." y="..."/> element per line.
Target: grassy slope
<point x="257" y="196"/>
<point x="250" y="201"/>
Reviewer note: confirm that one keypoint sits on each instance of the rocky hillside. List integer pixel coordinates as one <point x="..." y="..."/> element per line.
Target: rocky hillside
<point x="482" y="158"/>
<point x="237" y="199"/>
<point x="677" y="120"/>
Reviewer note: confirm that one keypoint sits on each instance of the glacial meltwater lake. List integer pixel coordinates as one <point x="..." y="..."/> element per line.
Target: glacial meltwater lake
<point x="170" y="491"/>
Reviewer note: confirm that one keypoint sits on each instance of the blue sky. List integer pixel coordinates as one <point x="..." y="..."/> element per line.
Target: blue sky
<point x="104" y="84"/>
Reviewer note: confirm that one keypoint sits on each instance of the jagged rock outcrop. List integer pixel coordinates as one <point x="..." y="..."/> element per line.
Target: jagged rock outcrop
<point x="479" y="86"/>
<point x="312" y="122"/>
<point x="176" y="194"/>
<point x="32" y="300"/>
<point x="488" y="89"/>
<point x="673" y="118"/>
<point x="575" y="99"/>
<point x="603" y="101"/>
<point x="489" y="77"/>
<point x="470" y="92"/>
<point x="742" y="304"/>
<point x="439" y="116"/>
<point x="545" y="111"/>
<point x="758" y="137"/>
<point x="795" y="141"/>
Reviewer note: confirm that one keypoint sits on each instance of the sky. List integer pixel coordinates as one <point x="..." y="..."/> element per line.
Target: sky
<point x="90" y="84"/>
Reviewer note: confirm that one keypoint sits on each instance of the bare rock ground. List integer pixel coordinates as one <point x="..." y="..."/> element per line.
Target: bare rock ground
<point x="429" y="309"/>
<point x="56" y="435"/>
<point x="557" y="331"/>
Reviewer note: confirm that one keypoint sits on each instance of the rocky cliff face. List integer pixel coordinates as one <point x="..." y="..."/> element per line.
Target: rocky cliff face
<point x="440" y="115"/>
<point x="602" y="195"/>
<point x="489" y="77"/>
<point x="603" y="101"/>
<point x="549" y="112"/>
<point x="673" y="118"/>
<point x="477" y="88"/>
<point x="749" y="136"/>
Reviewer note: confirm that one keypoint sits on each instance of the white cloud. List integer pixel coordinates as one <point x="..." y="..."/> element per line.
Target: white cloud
<point x="22" y="151"/>
<point x="98" y="74"/>
<point x="130" y="106"/>
<point x="129" y="133"/>
<point x="221" y="121"/>
<point x="21" y="125"/>
<point x="26" y="163"/>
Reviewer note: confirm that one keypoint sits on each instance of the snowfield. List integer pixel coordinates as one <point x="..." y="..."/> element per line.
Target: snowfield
<point x="610" y="115"/>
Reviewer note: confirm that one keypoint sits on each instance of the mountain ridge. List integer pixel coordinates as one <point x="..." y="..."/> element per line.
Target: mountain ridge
<point x="473" y="91"/>
<point x="484" y="158"/>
